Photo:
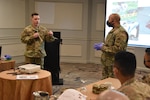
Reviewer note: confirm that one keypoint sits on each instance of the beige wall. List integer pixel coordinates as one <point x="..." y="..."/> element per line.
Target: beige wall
<point x="81" y="23"/>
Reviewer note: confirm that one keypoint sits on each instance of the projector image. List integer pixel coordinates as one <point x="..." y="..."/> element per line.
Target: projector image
<point x="29" y="68"/>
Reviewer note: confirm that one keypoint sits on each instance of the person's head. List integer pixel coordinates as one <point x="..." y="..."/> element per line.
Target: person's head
<point x="35" y="18"/>
<point x="147" y="58"/>
<point x="113" y="20"/>
<point x="124" y="65"/>
<point x="112" y="95"/>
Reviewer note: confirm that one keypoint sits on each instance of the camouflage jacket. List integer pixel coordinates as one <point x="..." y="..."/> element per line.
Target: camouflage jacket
<point x="135" y="90"/>
<point x="146" y="79"/>
<point x="116" y="40"/>
<point x="35" y="46"/>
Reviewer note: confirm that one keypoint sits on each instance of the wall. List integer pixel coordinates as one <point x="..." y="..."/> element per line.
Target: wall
<point x="12" y="21"/>
<point x="73" y="21"/>
<point x="81" y="23"/>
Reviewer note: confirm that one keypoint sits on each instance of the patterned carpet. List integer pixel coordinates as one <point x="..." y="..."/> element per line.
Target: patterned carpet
<point x="77" y="75"/>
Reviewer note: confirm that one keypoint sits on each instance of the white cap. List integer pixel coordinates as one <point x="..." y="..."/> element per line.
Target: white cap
<point x="71" y="94"/>
<point x="112" y="95"/>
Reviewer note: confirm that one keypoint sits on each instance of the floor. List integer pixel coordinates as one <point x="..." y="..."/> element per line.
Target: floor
<point x="76" y="75"/>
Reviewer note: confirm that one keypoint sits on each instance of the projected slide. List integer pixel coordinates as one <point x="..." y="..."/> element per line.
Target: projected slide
<point x="135" y="18"/>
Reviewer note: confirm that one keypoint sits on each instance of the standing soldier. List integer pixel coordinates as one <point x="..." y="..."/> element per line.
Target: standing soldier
<point x="116" y="41"/>
<point x="34" y="36"/>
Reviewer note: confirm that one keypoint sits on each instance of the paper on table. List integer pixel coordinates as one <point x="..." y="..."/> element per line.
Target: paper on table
<point x="27" y="77"/>
<point x="72" y="94"/>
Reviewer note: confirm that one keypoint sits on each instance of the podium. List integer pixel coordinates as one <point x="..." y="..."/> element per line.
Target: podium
<point x="52" y="60"/>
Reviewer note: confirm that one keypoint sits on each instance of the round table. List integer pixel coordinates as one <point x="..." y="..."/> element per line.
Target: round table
<point x="115" y="83"/>
<point x="22" y="89"/>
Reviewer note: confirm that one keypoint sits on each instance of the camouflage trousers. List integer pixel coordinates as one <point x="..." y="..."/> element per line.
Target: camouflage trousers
<point x="107" y="71"/>
<point x="33" y="60"/>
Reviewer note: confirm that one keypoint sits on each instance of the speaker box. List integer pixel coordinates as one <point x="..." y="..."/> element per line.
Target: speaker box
<point x="52" y="60"/>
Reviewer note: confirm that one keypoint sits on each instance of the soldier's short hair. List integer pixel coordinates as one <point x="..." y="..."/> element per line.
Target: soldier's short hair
<point x="147" y="50"/>
<point x="34" y="14"/>
<point x="116" y="16"/>
<point x="126" y="63"/>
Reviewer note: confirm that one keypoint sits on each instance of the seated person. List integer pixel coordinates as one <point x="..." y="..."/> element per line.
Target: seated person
<point x="112" y="95"/>
<point x="146" y="78"/>
<point x="124" y="69"/>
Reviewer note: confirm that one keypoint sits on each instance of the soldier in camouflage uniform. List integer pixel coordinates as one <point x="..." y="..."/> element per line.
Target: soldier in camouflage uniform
<point x="34" y="36"/>
<point x="124" y="69"/>
<point x="146" y="78"/>
<point x="116" y="41"/>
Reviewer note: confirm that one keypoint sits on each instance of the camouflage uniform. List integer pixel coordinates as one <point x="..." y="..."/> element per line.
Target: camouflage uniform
<point x="35" y="46"/>
<point x="116" y="41"/>
<point x="135" y="90"/>
<point x="146" y="79"/>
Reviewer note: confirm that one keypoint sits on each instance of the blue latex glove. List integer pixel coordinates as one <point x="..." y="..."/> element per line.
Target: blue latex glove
<point x="7" y="57"/>
<point x="98" y="46"/>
